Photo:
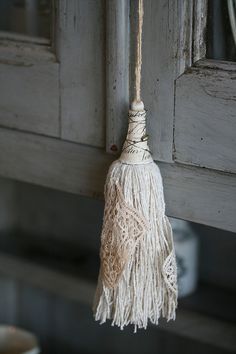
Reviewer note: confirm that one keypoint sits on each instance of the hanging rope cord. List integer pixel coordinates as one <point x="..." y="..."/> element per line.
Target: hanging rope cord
<point x="138" y="63"/>
<point x="139" y="110"/>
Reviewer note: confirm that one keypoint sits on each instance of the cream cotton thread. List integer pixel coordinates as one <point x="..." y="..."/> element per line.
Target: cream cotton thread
<point x="149" y="272"/>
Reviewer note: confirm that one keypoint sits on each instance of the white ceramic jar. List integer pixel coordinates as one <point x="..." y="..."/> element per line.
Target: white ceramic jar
<point x="186" y="248"/>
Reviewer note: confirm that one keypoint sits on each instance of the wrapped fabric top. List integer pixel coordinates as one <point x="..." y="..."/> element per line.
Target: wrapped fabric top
<point x="135" y="149"/>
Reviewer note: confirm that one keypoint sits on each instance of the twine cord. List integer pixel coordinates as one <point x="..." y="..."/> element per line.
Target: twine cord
<point x="136" y="140"/>
<point x="138" y="63"/>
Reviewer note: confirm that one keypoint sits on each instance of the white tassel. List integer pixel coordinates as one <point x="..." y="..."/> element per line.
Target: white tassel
<point x="137" y="280"/>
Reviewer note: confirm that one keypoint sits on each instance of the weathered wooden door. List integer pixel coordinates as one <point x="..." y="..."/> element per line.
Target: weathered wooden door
<point x="64" y="102"/>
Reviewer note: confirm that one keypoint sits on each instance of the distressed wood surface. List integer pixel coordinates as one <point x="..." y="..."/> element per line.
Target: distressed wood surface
<point x="191" y="20"/>
<point x="199" y="29"/>
<point x="29" y="88"/>
<point x="191" y="193"/>
<point x="20" y="37"/>
<point x="184" y="33"/>
<point x="216" y="65"/>
<point x="205" y="118"/>
<point x="170" y="29"/>
<point x="158" y="70"/>
<point x="81" y="51"/>
<point x="53" y="163"/>
<point x="200" y="195"/>
<point x="117" y="73"/>
<point x="204" y="106"/>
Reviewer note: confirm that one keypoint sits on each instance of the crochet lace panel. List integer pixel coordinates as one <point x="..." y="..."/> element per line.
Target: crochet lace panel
<point x="169" y="272"/>
<point x="123" y="228"/>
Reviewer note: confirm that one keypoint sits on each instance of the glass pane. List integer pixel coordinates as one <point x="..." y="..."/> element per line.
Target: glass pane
<point x="221" y="30"/>
<point x="28" y="17"/>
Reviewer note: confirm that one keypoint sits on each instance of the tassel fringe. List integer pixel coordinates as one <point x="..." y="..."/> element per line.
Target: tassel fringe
<point x="138" y="276"/>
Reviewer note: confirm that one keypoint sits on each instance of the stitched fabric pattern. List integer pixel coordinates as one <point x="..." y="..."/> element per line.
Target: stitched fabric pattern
<point x="123" y="228"/>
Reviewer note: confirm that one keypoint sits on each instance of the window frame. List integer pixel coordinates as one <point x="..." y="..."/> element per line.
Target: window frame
<point x="30" y="74"/>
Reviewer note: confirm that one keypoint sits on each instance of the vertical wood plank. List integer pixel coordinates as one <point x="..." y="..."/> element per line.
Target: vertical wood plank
<point x="167" y="51"/>
<point x="159" y="50"/>
<point x="117" y="72"/>
<point x="158" y="74"/>
<point x="82" y="71"/>
<point x="184" y="31"/>
<point x="199" y="28"/>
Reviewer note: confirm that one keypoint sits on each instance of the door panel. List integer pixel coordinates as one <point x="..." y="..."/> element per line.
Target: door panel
<point x="205" y="118"/>
<point x="29" y="88"/>
<point x="82" y="71"/>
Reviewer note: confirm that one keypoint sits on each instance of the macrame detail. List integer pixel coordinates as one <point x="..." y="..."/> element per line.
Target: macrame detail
<point x="170" y="272"/>
<point x="123" y="228"/>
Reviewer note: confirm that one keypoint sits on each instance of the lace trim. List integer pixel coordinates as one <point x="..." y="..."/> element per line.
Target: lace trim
<point x="123" y="228"/>
<point x="169" y="272"/>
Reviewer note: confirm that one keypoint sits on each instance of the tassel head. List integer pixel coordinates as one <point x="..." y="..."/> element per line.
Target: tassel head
<point x="135" y="149"/>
